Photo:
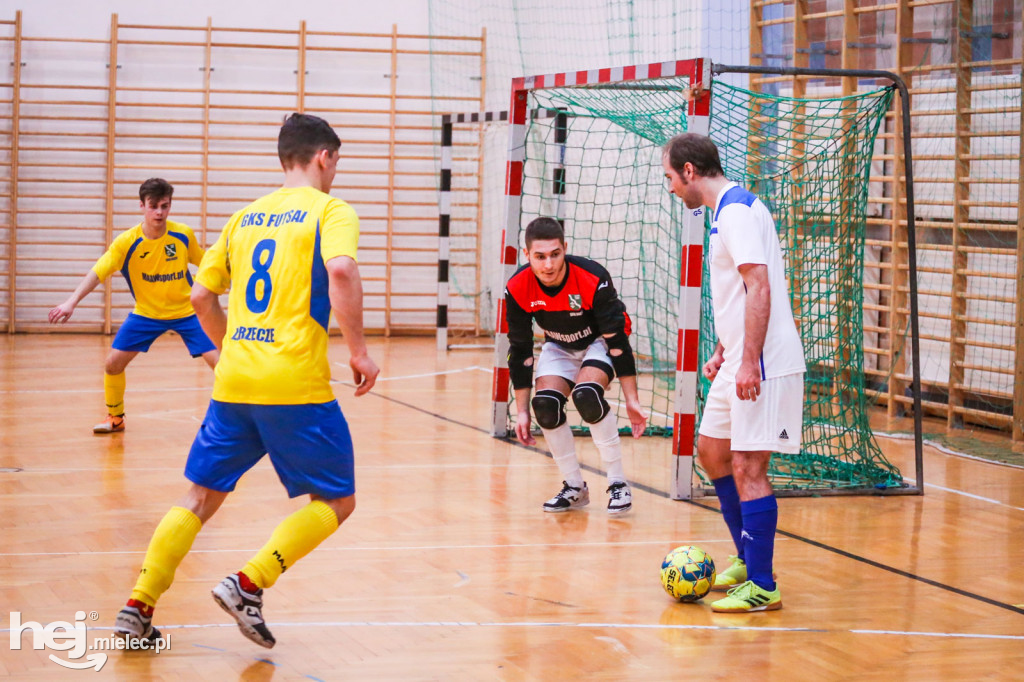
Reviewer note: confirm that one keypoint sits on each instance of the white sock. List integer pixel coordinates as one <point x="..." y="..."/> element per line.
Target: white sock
<point x="606" y="437"/>
<point x="563" y="450"/>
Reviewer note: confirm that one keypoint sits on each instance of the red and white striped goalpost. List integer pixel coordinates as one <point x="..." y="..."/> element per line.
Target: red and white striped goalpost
<point x="698" y="118"/>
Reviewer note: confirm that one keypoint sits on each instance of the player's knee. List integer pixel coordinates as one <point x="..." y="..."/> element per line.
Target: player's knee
<point x="117" y="361"/>
<point x="202" y="501"/>
<point x="588" y="398"/>
<point x="341" y="506"/>
<point x="549" y="408"/>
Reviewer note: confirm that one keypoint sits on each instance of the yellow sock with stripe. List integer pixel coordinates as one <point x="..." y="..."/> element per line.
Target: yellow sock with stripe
<point x="294" y="538"/>
<point x="113" y="391"/>
<point x="171" y="541"/>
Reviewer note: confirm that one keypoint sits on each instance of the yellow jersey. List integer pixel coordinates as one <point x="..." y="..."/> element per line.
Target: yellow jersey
<point x="272" y="256"/>
<point x="156" y="269"/>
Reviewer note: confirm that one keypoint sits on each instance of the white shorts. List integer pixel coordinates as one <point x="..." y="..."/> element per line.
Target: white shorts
<point x="559" y="361"/>
<point x="773" y="422"/>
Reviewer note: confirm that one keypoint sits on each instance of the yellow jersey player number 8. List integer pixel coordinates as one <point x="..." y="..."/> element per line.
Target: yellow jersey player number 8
<point x="289" y="259"/>
<point x="291" y="232"/>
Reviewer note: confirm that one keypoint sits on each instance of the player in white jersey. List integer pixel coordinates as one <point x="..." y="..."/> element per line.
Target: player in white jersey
<point x="755" y="405"/>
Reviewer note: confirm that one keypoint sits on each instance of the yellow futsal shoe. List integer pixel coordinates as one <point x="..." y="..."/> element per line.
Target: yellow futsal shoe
<point x="747" y="598"/>
<point x="111" y="424"/>
<point x="732" y="576"/>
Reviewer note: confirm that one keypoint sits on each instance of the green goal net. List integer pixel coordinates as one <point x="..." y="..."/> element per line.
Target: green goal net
<point x="808" y="160"/>
<point x="598" y="167"/>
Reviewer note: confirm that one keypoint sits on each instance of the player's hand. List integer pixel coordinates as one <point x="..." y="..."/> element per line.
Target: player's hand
<point x="523" y="432"/>
<point x="748" y="382"/>
<point x="61" y="313"/>
<point x="637" y="418"/>
<point x="712" y="366"/>
<point x="364" y="372"/>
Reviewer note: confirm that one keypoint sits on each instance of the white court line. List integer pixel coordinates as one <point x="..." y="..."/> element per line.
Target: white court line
<point x="592" y="626"/>
<point x="160" y="414"/>
<point x="954" y="491"/>
<point x="415" y="376"/>
<point x="171" y="389"/>
<point x="19" y="391"/>
<point x="411" y="548"/>
<point x="104" y="469"/>
<point x="191" y="419"/>
<point x="936" y="634"/>
<point x="944" y="449"/>
<point x="361" y="467"/>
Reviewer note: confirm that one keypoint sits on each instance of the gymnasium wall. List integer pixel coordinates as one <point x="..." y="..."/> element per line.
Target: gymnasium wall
<point x="197" y="95"/>
<point x="962" y="63"/>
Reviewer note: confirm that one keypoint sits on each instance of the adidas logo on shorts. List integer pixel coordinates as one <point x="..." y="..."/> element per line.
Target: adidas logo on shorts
<point x="783" y="435"/>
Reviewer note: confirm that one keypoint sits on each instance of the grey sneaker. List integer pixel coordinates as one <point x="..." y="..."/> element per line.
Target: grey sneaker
<point x="131" y="624"/>
<point x="568" y="498"/>
<point x="246" y="608"/>
<point x="620" y="498"/>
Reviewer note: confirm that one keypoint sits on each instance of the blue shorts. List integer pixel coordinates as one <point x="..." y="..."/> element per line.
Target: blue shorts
<point x="309" y="446"/>
<point x="138" y="333"/>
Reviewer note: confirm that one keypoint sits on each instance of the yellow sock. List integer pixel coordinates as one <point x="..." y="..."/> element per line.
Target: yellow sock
<point x="171" y="541"/>
<point x="294" y="538"/>
<point x="113" y="391"/>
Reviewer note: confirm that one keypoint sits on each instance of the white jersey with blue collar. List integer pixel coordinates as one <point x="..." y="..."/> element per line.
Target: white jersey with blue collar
<point x="743" y="232"/>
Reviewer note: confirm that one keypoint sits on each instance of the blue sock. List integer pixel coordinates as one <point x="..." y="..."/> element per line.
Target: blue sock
<point x="729" y="499"/>
<point x="760" y="518"/>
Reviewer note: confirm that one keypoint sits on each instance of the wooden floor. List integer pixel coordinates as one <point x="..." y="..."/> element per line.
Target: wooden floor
<point x="448" y="570"/>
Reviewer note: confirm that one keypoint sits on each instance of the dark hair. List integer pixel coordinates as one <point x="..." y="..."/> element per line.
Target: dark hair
<point x="696" y="149"/>
<point x="544" y="228"/>
<point x="302" y="137"/>
<point x="155" y="189"/>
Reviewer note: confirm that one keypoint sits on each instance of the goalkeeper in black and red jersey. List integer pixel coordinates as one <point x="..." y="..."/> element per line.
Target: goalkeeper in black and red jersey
<point x="586" y="344"/>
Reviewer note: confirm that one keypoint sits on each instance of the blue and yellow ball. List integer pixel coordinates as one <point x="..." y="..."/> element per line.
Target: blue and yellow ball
<point x="687" y="573"/>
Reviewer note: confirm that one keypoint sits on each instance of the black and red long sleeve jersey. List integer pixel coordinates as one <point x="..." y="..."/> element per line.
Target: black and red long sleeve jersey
<point x="573" y="314"/>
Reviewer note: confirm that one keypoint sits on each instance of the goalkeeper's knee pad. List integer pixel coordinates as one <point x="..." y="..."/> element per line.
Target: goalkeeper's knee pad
<point x="549" y="408"/>
<point x="588" y="398"/>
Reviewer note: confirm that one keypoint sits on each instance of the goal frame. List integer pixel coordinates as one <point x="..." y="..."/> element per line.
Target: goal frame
<point x="700" y="72"/>
<point x="698" y="110"/>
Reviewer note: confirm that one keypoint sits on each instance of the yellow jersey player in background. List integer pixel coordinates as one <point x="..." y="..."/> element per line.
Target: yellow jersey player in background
<point x="288" y="258"/>
<point x="153" y="257"/>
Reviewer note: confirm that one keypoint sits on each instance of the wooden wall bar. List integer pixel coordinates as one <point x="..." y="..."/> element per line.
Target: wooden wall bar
<point x="962" y="62"/>
<point x="200" y="106"/>
<point x="10" y="194"/>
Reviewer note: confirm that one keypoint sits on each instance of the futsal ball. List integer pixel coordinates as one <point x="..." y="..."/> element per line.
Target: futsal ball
<point x="687" y="573"/>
